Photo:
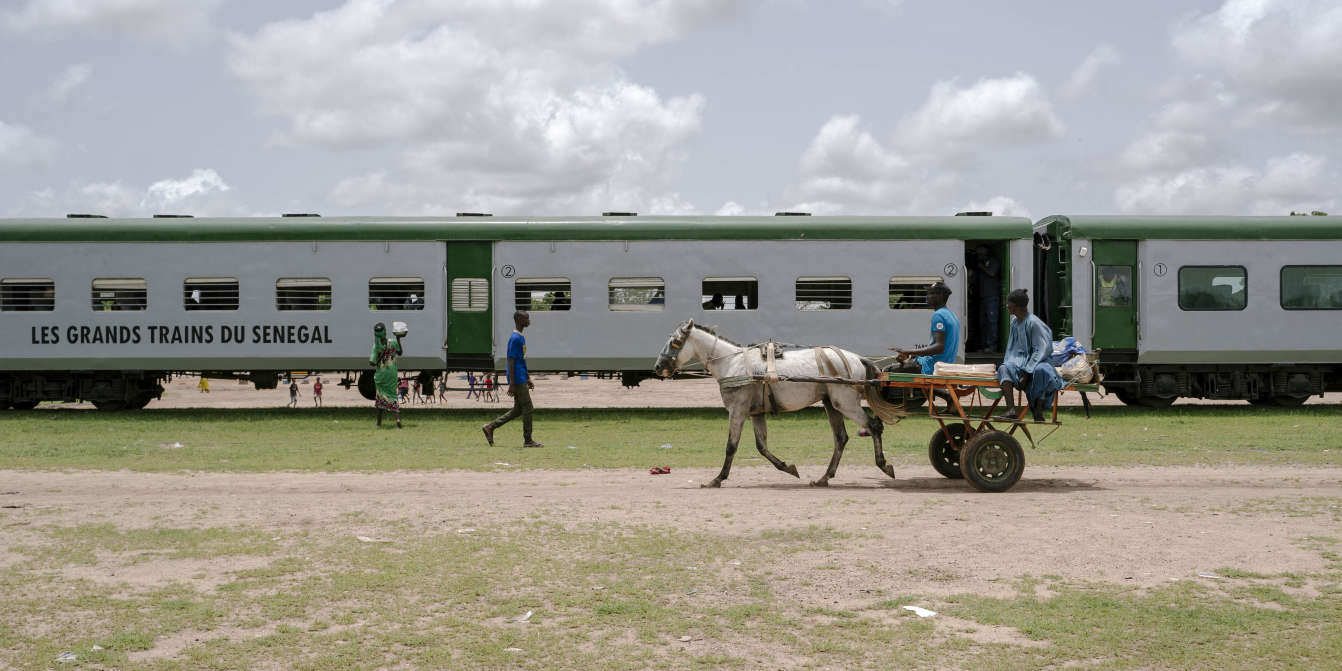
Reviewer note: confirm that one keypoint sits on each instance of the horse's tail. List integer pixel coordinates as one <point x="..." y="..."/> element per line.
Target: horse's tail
<point x="887" y="411"/>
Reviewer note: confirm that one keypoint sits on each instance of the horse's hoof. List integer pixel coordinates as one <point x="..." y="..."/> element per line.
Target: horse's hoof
<point x="792" y="470"/>
<point x="889" y="470"/>
<point x="820" y="483"/>
<point x="711" y="484"/>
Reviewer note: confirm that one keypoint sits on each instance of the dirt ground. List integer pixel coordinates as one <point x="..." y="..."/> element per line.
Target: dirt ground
<point x="920" y="533"/>
<point x="552" y="391"/>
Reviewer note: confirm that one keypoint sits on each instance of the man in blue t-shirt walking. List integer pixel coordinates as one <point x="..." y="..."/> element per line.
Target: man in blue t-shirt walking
<point x="945" y="345"/>
<point x="519" y="384"/>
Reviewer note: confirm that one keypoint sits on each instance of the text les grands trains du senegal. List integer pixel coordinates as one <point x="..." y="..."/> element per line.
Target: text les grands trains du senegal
<point x="161" y="334"/>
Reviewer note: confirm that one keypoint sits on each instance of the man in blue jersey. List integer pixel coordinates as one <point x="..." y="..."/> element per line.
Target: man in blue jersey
<point x="945" y="345"/>
<point x="519" y="384"/>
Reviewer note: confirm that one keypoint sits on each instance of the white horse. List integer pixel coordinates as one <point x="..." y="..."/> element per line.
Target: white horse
<point x="738" y="369"/>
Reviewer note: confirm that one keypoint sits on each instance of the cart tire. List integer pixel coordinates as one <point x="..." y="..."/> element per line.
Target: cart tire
<point x="944" y="454"/>
<point x="992" y="461"/>
<point x="367" y="385"/>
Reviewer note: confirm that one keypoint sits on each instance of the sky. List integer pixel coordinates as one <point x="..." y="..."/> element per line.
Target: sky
<point x="574" y="107"/>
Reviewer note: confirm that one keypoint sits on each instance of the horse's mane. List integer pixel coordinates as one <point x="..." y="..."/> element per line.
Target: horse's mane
<point x="714" y="331"/>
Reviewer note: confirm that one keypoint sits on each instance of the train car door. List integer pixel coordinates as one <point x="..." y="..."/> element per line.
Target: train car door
<point x="1115" y="294"/>
<point x="470" y="312"/>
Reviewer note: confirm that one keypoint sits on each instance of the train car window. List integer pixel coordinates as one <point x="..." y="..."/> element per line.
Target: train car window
<point x="470" y="294"/>
<point x="824" y="293"/>
<point x="543" y="294"/>
<point x="637" y="294"/>
<point x="910" y="293"/>
<point x="396" y="293"/>
<point x="730" y="293"/>
<point x="1213" y="288"/>
<point x="303" y="293"/>
<point x="27" y="295"/>
<point x="1311" y="287"/>
<point x="118" y="294"/>
<point x="210" y="293"/>
<point x="1113" y="287"/>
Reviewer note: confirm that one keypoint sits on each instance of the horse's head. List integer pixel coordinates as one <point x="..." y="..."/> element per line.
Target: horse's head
<point x="671" y="358"/>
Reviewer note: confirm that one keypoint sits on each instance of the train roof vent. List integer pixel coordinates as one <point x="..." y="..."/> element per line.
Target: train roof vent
<point x="474" y="214"/>
<point x="174" y="216"/>
<point x="85" y="216"/>
<point x="619" y="214"/>
<point x="974" y="213"/>
<point x="792" y="214"/>
<point x="300" y="214"/>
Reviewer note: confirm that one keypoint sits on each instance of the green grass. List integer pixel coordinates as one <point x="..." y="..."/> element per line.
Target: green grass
<point x="344" y="439"/>
<point x="614" y="596"/>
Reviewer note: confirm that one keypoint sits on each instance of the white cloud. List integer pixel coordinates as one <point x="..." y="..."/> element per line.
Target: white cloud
<point x="22" y="147"/>
<point x="730" y="208"/>
<point x="1296" y="181"/>
<point x="202" y="182"/>
<point x="1003" y="111"/>
<point x="1282" y="56"/>
<point x="202" y="193"/>
<point x="177" y="22"/>
<point x="65" y="84"/>
<point x="1172" y="150"/>
<point x="503" y="106"/>
<point x="1101" y="58"/>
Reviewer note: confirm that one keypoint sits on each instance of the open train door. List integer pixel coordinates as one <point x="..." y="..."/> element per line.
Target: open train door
<point x="469" y="342"/>
<point x="1116" y="315"/>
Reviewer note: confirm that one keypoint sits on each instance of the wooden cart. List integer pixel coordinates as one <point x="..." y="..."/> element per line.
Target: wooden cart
<point x="973" y="441"/>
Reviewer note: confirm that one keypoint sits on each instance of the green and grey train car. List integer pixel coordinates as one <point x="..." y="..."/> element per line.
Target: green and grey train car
<point x="106" y="309"/>
<point x="1203" y="307"/>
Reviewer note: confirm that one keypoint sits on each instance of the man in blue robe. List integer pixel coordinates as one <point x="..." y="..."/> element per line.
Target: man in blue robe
<point x="1027" y="364"/>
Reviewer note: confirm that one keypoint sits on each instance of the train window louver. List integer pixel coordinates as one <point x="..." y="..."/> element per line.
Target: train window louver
<point x="396" y="293"/>
<point x="120" y="294"/>
<point x="910" y="293"/>
<point x="1311" y="287"/>
<point x="637" y="294"/>
<point x="210" y="293"/>
<point x="824" y="293"/>
<point x="27" y="295"/>
<point x="545" y="294"/>
<point x="303" y="293"/>
<point x="470" y="294"/>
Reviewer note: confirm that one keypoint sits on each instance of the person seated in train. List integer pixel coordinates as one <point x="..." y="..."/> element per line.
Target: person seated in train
<point x="945" y="345"/>
<point x="714" y="303"/>
<point x="1027" y="364"/>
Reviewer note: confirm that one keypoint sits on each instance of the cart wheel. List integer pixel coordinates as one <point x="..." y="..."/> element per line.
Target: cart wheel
<point x="367" y="385"/>
<point x="945" y="454"/>
<point x="992" y="461"/>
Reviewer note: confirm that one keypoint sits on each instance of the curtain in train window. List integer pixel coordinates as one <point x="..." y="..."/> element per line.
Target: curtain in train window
<point x="118" y="294"/>
<point x="824" y="293"/>
<point x="210" y="293"/>
<point x="637" y="294"/>
<point x="1311" y="287"/>
<point x="396" y="293"/>
<point x="303" y="293"/>
<point x="27" y="295"/>
<point x="543" y="294"/>
<point x="1213" y="288"/>
<point x="910" y="293"/>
